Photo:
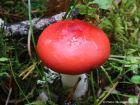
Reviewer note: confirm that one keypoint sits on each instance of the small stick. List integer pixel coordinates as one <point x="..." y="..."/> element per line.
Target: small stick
<point x="8" y="97"/>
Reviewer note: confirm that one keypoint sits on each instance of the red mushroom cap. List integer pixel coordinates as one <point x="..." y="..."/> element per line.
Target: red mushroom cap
<point x="73" y="47"/>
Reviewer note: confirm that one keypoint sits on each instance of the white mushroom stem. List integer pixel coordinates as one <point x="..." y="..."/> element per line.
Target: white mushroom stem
<point x="71" y="80"/>
<point x="68" y="81"/>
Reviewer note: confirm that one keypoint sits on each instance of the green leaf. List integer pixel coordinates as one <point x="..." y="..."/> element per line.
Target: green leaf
<point x="106" y="24"/>
<point x="135" y="79"/>
<point x="3" y="74"/>
<point x="133" y="100"/>
<point x="84" y="9"/>
<point x="38" y="102"/>
<point x="91" y="10"/>
<point x="103" y="4"/>
<point x="3" y="59"/>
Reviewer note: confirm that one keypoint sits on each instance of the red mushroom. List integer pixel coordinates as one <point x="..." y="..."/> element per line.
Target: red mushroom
<point x="73" y="47"/>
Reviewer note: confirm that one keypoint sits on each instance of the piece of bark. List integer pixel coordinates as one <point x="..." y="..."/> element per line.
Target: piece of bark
<point x="21" y="28"/>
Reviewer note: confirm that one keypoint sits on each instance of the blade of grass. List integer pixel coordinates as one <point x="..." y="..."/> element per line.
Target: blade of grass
<point x="70" y="9"/>
<point x="18" y="83"/>
<point x="106" y="94"/>
<point x="34" y="44"/>
<point x="123" y="57"/>
<point x="28" y="71"/>
<point x="30" y="33"/>
<point x="107" y="75"/>
<point x="29" y="44"/>
<point x="93" y="88"/>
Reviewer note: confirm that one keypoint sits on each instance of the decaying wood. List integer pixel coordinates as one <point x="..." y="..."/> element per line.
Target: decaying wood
<point x="38" y="24"/>
<point x="21" y="28"/>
